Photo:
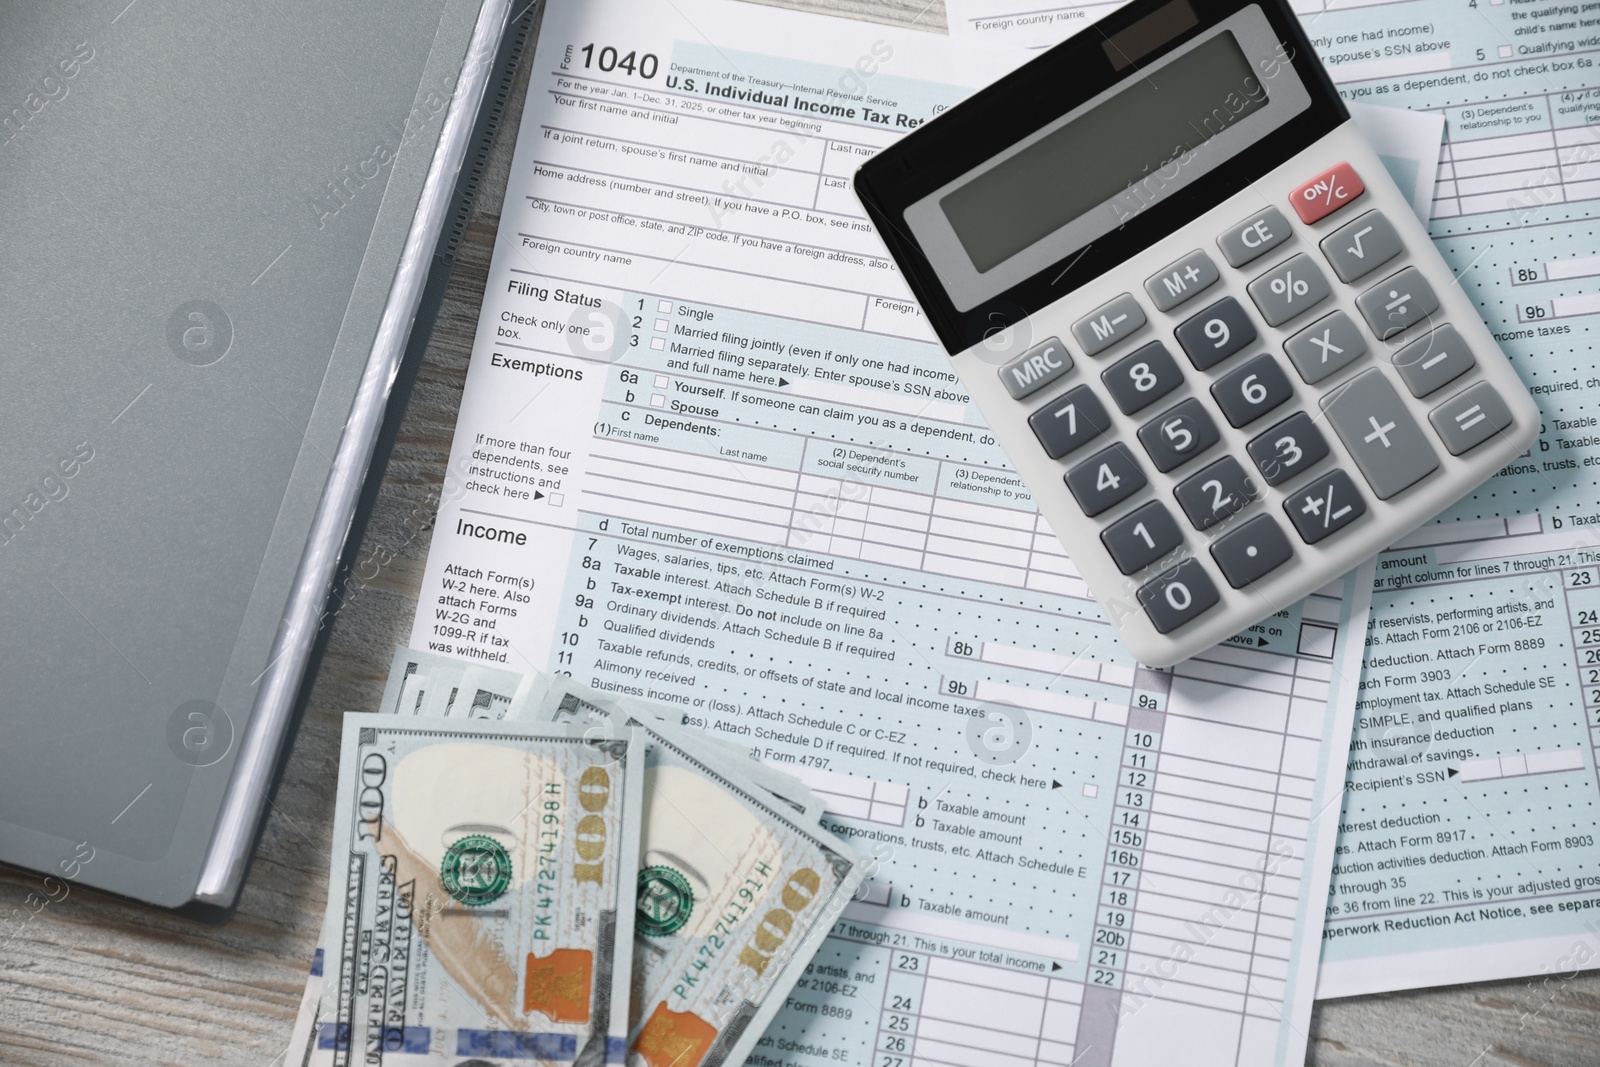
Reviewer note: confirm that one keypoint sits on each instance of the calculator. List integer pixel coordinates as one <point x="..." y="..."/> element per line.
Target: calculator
<point x="1198" y="315"/>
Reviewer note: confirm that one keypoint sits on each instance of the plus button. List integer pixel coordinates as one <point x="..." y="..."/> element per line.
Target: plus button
<point x="1379" y="432"/>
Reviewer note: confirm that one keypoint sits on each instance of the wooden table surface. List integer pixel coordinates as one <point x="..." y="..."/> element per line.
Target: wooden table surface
<point x="95" y="980"/>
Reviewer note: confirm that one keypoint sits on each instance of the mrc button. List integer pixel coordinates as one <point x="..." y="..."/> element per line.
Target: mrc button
<point x="1036" y="368"/>
<point x="1326" y="193"/>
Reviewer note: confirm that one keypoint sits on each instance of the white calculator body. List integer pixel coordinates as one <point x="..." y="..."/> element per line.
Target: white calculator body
<point x="1198" y="315"/>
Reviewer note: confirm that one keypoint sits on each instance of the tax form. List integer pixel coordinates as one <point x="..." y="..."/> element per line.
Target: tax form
<point x="1468" y="848"/>
<point x="710" y="454"/>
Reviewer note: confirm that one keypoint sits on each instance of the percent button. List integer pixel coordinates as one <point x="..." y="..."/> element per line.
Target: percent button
<point x="1292" y="287"/>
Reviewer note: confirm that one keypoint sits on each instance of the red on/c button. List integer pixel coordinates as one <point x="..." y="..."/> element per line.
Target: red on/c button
<point x="1326" y="193"/>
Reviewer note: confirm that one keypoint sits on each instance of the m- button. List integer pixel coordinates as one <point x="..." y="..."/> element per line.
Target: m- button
<point x="1108" y="324"/>
<point x="1255" y="236"/>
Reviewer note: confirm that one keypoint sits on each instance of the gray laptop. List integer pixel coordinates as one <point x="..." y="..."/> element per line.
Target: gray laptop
<point x="217" y="220"/>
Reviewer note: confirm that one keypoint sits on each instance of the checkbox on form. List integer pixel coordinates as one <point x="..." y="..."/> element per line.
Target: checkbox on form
<point x="665" y="307"/>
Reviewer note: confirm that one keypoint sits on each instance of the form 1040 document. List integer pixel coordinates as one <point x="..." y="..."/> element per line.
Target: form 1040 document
<point x="709" y="454"/>
<point x="1469" y="848"/>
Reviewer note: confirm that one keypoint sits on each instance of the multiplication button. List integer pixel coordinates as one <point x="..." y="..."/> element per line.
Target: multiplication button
<point x="1325" y="507"/>
<point x="1325" y="347"/>
<point x="1108" y="324"/>
<point x="1146" y="534"/>
<point x="1255" y="549"/>
<point x="1470" y="418"/>
<point x="1069" y="421"/>
<point x="1036" y="368"/>
<point x="1178" y="596"/>
<point x="1378" y="430"/>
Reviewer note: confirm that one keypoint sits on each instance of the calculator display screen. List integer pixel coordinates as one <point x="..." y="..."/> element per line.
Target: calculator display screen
<point x="1072" y="172"/>
<point x="1142" y="132"/>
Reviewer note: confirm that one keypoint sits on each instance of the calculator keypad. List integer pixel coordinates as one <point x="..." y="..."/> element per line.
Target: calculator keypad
<point x="1216" y="333"/>
<point x="1178" y="435"/>
<point x="1142" y="377"/>
<point x="1218" y="491"/>
<point x="1070" y="421"/>
<point x="1250" y="391"/>
<point x="1105" y="479"/>
<point x="1392" y="448"/>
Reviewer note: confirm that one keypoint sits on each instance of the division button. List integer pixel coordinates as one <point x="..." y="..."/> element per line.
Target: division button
<point x="1178" y="596"/>
<point x="1289" y="289"/>
<point x="1105" y="479"/>
<point x="1036" y="368"/>
<point x="1326" y="193"/>
<point x="1433" y="361"/>
<point x="1216" y="333"/>
<point x="1326" y="347"/>
<point x="1070" y="421"/>
<point x="1398" y="302"/>
<point x="1361" y="246"/>
<point x="1378" y="430"/>
<point x="1325" y="507"/>
<point x="1215" y="492"/>
<point x="1108" y="324"/>
<point x="1470" y="418"/>
<point x="1252" y="389"/>
<point x="1142" y="377"/>
<point x="1292" y="446"/>
<point x="1178" y="435"/>
<point x="1144" y="536"/>
<point x="1179" y="281"/>
<point x="1255" y="236"/>
<point x="1254" y="549"/>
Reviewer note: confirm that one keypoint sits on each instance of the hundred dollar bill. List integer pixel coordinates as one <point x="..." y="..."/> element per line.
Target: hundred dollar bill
<point x="736" y="893"/>
<point x="740" y="759"/>
<point x="481" y="892"/>
<point x="433" y="686"/>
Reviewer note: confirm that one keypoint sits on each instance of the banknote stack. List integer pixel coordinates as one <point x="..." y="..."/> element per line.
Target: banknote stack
<point x="528" y="871"/>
